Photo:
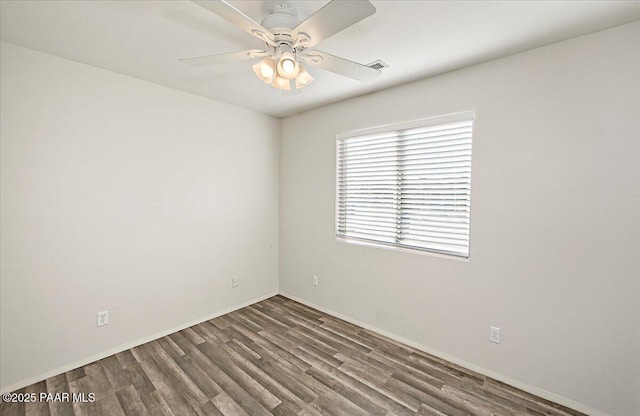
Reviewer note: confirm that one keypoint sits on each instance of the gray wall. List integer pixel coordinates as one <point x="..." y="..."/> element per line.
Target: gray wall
<point x="123" y="195"/>
<point x="554" y="224"/>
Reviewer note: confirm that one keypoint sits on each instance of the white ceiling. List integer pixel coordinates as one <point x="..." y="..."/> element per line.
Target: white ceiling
<point x="416" y="38"/>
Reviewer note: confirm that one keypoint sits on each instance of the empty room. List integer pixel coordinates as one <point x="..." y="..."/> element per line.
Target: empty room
<point x="319" y="207"/>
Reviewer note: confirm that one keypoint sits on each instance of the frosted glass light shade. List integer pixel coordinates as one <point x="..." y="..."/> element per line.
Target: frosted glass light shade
<point x="281" y="83"/>
<point x="288" y="68"/>
<point x="265" y="70"/>
<point x="304" y="78"/>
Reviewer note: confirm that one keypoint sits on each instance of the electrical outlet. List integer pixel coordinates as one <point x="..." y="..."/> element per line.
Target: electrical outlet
<point x="103" y="318"/>
<point x="494" y="334"/>
<point x="314" y="280"/>
<point x="235" y="281"/>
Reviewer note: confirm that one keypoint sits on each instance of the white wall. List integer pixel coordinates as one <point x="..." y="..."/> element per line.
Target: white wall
<point x="123" y="195"/>
<point x="555" y="228"/>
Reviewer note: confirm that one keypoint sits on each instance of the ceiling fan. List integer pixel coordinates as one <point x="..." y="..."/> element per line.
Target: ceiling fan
<point x="289" y="42"/>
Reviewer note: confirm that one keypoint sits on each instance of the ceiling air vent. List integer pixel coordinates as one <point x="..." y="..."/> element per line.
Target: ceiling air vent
<point x="377" y="65"/>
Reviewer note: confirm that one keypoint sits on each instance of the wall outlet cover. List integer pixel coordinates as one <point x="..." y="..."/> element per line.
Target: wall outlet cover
<point x="494" y="334"/>
<point x="103" y="318"/>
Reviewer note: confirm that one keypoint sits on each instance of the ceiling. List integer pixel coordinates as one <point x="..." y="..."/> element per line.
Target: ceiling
<point x="144" y="39"/>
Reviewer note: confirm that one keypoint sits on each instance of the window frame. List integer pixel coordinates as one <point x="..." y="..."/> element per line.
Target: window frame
<point x="406" y="125"/>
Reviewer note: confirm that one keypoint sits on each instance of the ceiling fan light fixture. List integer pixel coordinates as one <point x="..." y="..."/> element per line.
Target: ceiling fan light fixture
<point x="265" y="70"/>
<point x="268" y="71"/>
<point x="288" y="68"/>
<point x="304" y="78"/>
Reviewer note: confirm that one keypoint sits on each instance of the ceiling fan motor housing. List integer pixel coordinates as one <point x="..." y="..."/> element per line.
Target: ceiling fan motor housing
<point x="283" y="16"/>
<point x="282" y="19"/>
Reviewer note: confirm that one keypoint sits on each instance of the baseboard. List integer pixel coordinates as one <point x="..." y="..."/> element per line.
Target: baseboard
<point x="580" y="407"/>
<point x="124" y="347"/>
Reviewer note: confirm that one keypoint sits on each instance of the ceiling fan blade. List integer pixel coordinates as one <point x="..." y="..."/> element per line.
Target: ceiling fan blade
<point x="341" y="66"/>
<point x="332" y="18"/>
<point x="221" y="58"/>
<point x="236" y="17"/>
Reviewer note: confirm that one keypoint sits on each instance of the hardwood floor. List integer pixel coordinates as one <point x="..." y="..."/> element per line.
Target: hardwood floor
<point x="278" y="357"/>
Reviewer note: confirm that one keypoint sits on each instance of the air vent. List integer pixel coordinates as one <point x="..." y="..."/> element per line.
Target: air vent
<point x="377" y="65"/>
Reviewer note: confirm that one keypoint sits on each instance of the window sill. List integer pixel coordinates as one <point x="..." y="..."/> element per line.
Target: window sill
<point x="403" y="249"/>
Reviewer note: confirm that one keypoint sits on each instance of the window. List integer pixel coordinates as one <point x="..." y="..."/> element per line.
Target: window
<point x="407" y="186"/>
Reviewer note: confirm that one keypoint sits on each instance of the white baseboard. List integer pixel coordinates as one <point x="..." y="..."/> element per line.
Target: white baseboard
<point x="104" y="354"/>
<point x="488" y="373"/>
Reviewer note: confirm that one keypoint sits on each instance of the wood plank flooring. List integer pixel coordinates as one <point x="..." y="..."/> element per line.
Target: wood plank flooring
<point x="279" y="357"/>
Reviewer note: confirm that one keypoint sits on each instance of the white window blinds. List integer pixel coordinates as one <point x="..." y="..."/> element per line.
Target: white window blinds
<point x="407" y="186"/>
